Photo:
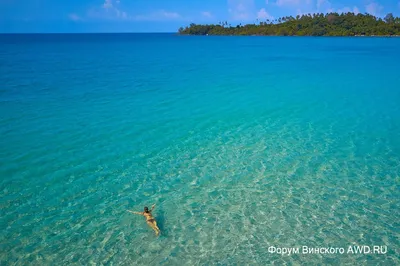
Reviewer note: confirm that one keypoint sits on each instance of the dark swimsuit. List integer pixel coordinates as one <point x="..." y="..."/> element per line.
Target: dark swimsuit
<point x="150" y="220"/>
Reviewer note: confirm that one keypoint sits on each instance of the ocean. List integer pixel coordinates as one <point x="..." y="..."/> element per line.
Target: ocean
<point x="248" y="146"/>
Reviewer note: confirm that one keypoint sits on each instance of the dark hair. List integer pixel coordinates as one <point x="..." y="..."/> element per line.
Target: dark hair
<point x="146" y="209"/>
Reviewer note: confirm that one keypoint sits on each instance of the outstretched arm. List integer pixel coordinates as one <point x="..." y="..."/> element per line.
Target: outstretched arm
<point x="152" y="207"/>
<point x="139" y="213"/>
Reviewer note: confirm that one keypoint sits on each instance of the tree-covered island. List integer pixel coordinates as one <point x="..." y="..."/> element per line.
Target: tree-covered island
<point x="331" y="24"/>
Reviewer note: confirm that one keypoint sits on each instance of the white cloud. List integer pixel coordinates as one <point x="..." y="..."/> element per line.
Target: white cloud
<point x="111" y="11"/>
<point x="108" y="10"/>
<point x="206" y="14"/>
<point x="74" y="17"/>
<point x="302" y="6"/>
<point x="374" y="9"/>
<point x="347" y="9"/>
<point x="170" y="14"/>
<point x="241" y="9"/>
<point x="108" y="4"/>
<point x="263" y="15"/>
<point x="320" y="3"/>
<point x="324" y="6"/>
<point x="323" y="3"/>
<point x="159" y="16"/>
<point x="121" y="14"/>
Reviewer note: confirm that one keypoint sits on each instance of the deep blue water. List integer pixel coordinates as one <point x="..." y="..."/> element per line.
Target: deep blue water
<point x="242" y="142"/>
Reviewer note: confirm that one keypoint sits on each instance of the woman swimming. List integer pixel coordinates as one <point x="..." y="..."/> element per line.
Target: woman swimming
<point x="149" y="218"/>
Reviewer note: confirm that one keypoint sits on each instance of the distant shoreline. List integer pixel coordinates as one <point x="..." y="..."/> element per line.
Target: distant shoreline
<point x="326" y="25"/>
<point x="354" y="36"/>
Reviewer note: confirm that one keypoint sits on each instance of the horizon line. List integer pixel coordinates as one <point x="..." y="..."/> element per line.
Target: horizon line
<point x="116" y="32"/>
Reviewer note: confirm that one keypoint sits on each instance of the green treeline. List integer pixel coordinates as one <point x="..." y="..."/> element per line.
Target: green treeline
<point x="331" y="24"/>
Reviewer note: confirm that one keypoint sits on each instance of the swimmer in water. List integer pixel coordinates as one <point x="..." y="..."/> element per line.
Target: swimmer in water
<point x="149" y="218"/>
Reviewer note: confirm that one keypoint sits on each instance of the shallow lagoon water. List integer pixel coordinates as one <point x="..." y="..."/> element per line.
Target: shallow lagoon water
<point x="242" y="142"/>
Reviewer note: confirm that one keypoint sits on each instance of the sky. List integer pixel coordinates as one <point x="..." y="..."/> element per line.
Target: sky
<point x="60" y="16"/>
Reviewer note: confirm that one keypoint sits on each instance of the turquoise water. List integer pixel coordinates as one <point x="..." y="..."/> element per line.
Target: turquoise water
<point x="242" y="142"/>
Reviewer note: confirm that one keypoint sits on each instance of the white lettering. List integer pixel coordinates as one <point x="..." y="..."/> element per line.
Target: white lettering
<point x="380" y="249"/>
<point x="304" y="249"/>
<point x="350" y="250"/>
<point x="328" y="250"/>
<point x="367" y="249"/>
<point x="358" y="249"/>
<point x="383" y="249"/>
<point x="376" y="249"/>
<point x="295" y="251"/>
